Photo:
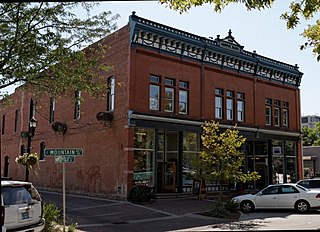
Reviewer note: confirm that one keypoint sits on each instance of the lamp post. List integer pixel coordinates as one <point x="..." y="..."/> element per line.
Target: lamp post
<point x="32" y="127"/>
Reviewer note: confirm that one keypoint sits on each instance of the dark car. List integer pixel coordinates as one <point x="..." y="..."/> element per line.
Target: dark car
<point x="313" y="183"/>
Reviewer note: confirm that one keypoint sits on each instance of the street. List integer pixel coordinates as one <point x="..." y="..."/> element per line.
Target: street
<point x="97" y="214"/>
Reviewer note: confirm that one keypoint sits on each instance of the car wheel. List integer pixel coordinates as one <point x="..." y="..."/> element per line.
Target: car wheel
<point x="302" y="206"/>
<point x="246" y="206"/>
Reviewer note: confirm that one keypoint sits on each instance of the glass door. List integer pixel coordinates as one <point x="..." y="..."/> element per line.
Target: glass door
<point x="167" y="160"/>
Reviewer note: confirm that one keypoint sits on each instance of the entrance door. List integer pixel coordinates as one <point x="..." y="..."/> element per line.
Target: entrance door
<point x="261" y="168"/>
<point x="167" y="160"/>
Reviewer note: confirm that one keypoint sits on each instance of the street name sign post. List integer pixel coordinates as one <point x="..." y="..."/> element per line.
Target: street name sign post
<point x="64" y="155"/>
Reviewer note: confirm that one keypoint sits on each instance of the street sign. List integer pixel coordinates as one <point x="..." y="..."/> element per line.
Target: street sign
<point x="63" y="151"/>
<point x="65" y="159"/>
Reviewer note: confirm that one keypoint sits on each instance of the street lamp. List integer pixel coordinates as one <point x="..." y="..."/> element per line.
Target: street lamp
<point x="32" y="127"/>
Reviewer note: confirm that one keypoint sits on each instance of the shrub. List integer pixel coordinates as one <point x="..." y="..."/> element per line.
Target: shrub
<point x="52" y="216"/>
<point x="222" y="209"/>
<point x="140" y="193"/>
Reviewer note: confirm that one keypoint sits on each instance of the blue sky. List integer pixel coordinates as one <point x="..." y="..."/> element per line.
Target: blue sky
<point x="262" y="31"/>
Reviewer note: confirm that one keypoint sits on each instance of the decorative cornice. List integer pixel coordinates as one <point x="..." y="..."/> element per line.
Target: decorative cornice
<point x="225" y="53"/>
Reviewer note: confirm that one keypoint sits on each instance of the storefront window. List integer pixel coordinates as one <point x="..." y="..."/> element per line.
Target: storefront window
<point x="143" y="156"/>
<point x="277" y="161"/>
<point x="290" y="162"/>
<point x="190" y="157"/>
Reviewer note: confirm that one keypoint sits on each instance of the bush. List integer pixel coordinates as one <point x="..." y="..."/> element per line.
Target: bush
<point x="223" y="209"/>
<point x="141" y="193"/>
<point x="52" y="215"/>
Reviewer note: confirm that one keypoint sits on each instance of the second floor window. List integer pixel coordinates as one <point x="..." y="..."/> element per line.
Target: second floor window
<point x="230" y="105"/>
<point x="183" y="97"/>
<point x="169" y="95"/>
<point x="77" y="104"/>
<point x="111" y="82"/>
<point x="169" y="101"/>
<point x="154" y="95"/>
<point x="219" y="103"/>
<point x="268" y="104"/>
<point x="285" y="114"/>
<point x="240" y="107"/>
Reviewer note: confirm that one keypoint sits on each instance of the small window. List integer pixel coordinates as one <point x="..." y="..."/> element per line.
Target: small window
<point x="3" y="124"/>
<point x="268" y="101"/>
<point x="52" y="107"/>
<point x="110" y="104"/>
<point x="219" y="92"/>
<point x="230" y="94"/>
<point x="276" y="116"/>
<point x="42" y="147"/>
<point x="183" y="85"/>
<point x="154" y="79"/>
<point x="77" y="104"/>
<point x="170" y="82"/>
<point x="16" y="116"/>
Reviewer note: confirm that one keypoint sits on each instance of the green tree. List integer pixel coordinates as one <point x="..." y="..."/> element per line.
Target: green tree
<point x="222" y="155"/>
<point x="42" y="43"/>
<point x="298" y="9"/>
<point x="311" y="137"/>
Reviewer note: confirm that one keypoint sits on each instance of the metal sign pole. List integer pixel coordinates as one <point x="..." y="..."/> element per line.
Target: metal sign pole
<point x="64" y="195"/>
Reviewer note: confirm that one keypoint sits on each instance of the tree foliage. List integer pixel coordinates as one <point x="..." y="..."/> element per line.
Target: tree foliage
<point x="222" y="155"/>
<point x="41" y="45"/>
<point x="311" y="137"/>
<point x="298" y="9"/>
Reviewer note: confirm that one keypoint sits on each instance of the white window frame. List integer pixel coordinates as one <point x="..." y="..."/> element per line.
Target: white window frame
<point x="169" y="99"/>
<point x="276" y="116"/>
<point x="154" y="100"/>
<point x="111" y="94"/>
<point x="268" y="116"/>
<point x="183" y="102"/>
<point x="285" y="117"/>
<point x="218" y="107"/>
<point x="240" y="110"/>
<point x="229" y="108"/>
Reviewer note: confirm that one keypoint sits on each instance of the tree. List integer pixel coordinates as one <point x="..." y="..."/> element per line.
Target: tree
<point x="222" y="155"/>
<point x="41" y="45"/>
<point x="299" y="9"/>
<point x="311" y="137"/>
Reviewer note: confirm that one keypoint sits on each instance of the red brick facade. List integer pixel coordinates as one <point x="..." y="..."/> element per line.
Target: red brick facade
<point x="107" y="165"/>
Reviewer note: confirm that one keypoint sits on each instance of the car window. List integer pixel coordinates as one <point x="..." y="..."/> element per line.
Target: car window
<point x="270" y="190"/>
<point x="288" y="189"/>
<point x="304" y="183"/>
<point x="314" y="184"/>
<point x="16" y="195"/>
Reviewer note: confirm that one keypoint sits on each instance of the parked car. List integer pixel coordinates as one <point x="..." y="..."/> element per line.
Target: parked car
<point x="284" y="196"/>
<point x="313" y="183"/>
<point x="21" y="207"/>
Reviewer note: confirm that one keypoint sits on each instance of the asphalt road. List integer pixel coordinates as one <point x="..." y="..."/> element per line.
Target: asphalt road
<point x="97" y="214"/>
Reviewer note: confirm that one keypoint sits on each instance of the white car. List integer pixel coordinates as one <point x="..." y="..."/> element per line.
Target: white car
<point x="21" y="207"/>
<point x="281" y="196"/>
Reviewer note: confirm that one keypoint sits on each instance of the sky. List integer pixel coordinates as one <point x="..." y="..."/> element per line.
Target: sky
<point x="262" y="31"/>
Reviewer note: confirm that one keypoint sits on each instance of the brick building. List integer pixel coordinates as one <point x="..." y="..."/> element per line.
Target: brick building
<point x="164" y="85"/>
